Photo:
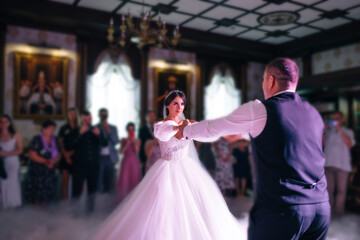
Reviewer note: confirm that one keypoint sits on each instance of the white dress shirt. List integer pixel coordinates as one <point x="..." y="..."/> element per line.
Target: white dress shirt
<point x="337" y="154"/>
<point x="249" y="118"/>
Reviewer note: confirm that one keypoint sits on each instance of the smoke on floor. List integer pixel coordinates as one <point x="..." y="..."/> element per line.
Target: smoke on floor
<point x="70" y="221"/>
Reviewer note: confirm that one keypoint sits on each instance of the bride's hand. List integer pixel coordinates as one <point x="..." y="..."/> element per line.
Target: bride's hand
<point x="179" y="134"/>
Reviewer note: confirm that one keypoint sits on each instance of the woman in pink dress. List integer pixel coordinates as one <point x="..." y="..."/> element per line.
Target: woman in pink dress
<point x="130" y="170"/>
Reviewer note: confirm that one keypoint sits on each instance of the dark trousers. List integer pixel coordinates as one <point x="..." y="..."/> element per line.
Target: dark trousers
<point x="90" y="175"/>
<point x="303" y="222"/>
<point x="106" y="174"/>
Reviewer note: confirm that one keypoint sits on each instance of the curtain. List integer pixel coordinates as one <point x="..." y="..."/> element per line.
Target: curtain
<point x="221" y="96"/>
<point x="114" y="88"/>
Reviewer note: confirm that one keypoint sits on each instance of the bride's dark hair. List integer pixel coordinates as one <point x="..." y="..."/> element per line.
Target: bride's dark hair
<point x="171" y="96"/>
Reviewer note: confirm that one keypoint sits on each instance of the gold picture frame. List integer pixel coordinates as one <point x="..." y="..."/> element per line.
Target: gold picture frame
<point x="166" y="80"/>
<point x="40" y="86"/>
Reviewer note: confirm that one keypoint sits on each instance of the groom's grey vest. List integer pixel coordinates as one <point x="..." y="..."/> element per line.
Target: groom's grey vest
<point x="288" y="156"/>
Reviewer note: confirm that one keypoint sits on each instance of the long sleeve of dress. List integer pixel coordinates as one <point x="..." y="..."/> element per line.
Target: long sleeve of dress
<point x="164" y="130"/>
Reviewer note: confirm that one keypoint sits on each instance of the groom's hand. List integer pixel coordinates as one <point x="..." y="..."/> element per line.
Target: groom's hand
<point x="180" y="133"/>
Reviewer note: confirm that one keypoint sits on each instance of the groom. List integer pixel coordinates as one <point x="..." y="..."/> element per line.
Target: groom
<point x="290" y="199"/>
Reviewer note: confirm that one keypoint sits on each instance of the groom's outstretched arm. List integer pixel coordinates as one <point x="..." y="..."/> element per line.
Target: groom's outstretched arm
<point x="248" y="118"/>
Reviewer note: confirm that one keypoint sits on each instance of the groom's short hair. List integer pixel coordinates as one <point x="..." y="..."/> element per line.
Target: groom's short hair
<point x="284" y="70"/>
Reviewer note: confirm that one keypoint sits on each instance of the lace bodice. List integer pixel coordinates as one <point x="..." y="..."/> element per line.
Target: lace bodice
<point x="171" y="148"/>
<point x="174" y="149"/>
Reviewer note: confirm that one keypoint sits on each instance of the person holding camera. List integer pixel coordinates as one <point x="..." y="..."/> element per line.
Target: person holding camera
<point x="86" y="142"/>
<point x="146" y="133"/>
<point x="130" y="170"/>
<point x="108" y="155"/>
<point x="338" y="140"/>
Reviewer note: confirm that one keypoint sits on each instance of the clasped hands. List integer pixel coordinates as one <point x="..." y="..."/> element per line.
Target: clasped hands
<point x="85" y="128"/>
<point x="180" y="129"/>
<point x="49" y="163"/>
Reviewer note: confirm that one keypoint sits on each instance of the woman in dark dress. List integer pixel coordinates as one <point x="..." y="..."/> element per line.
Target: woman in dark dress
<point x="67" y="150"/>
<point x="206" y="156"/>
<point x="242" y="166"/>
<point x="43" y="154"/>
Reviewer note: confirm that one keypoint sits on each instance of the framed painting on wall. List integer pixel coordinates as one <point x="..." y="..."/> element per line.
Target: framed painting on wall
<point x="166" y="80"/>
<point x="40" y="86"/>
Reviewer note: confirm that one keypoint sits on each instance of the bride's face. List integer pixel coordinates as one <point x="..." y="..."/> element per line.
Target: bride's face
<point x="176" y="107"/>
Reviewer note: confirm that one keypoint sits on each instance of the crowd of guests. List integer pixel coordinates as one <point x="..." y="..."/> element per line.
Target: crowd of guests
<point x="89" y="153"/>
<point x="83" y="152"/>
<point x="227" y="161"/>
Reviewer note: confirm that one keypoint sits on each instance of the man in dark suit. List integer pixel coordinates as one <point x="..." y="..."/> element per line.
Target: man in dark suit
<point x="146" y="133"/>
<point x="108" y="154"/>
<point x="86" y="143"/>
<point x="290" y="198"/>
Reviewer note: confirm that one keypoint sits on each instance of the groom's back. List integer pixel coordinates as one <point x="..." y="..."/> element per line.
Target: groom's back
<point x="289" y="162"/>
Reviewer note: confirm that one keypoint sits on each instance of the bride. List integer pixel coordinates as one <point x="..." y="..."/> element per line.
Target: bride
<point x="177" y="199"/>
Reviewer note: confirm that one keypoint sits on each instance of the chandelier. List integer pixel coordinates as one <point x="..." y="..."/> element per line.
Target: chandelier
<point x="278" y="18"/>
<point x="142" y="33"/>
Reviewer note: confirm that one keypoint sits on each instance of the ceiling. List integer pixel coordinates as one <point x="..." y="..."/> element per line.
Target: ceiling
<point x="238" y="18"/>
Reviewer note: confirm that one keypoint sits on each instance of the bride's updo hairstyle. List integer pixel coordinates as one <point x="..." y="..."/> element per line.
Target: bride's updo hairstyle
<point x="171" y="96"/>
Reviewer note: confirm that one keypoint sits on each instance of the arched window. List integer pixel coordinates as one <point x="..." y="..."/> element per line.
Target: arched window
<point x="113" y="87"/>
<point x="221" y="96"/>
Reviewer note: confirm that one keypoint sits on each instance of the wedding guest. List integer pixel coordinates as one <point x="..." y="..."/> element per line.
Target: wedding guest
<point x="44" y="153"/>
<point x="146" y="133"/>
<point x="338" y="142"/>
<point x="224" y="175"/>
<point x="241" y="166"/>
<point x="152" y="150"/>
<point x="206" y="156"/>
<point x="10" y="149"/>
<point x="108" y="154"/>
<point x="67" y="150"/>
<point x="130" y="171"/>
<point x="86" y="142"/>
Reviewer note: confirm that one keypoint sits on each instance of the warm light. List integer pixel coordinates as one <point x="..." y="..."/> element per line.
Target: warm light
<point x="38" y="50"/>
<point x="165" y="65"/>
<point x="26" y="49"/>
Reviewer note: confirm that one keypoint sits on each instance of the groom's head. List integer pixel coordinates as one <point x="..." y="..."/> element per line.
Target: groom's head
<point x="280" y="74"/>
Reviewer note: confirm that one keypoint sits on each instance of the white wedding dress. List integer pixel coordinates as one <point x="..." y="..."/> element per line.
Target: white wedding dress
<point x="176" y="200"/>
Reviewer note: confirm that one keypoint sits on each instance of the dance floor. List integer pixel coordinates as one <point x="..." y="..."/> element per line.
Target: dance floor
<point x="66" y="221"/>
